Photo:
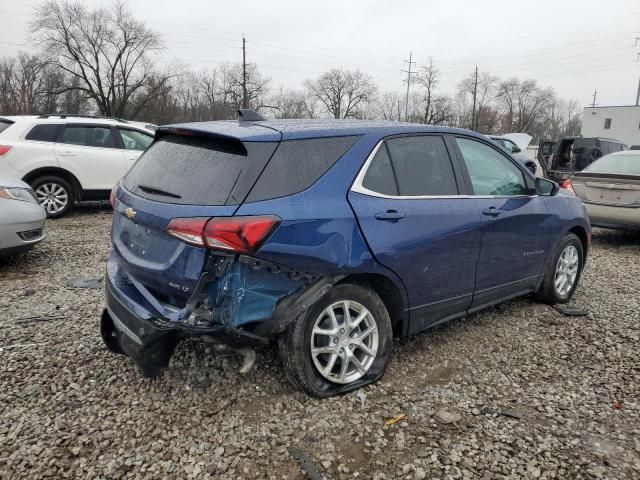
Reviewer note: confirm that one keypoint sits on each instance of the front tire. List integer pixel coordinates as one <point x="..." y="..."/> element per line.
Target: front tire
<point x="341" y="343"/>
<point x="55" y="195"/>
<point x="563" y="272"/>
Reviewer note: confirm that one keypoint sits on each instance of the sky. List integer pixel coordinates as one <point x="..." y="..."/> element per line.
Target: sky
<point x="573" y="46"/>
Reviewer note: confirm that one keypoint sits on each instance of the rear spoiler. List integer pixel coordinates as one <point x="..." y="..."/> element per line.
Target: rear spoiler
<point x="225" y="142"/>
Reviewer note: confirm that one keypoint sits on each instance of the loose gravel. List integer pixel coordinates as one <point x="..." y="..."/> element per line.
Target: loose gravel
<point x="519" y="391"/>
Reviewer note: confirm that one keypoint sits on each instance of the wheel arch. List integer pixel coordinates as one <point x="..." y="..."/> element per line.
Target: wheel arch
<point x="389" y="292"/>
<point x="582" y="234"/>
<point x="57" y="171"/>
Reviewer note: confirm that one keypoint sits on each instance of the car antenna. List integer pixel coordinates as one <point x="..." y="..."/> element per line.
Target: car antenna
<point x="247" y="115"/>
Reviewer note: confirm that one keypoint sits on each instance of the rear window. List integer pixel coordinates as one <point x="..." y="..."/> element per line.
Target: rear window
<point x="628" y="164"/>
<point x="297" y="164"/>
<point x="581" y="144"/>
<point x="188" y="170"/>
<point x="45" y="132"/>
<point x="4" y="124"/>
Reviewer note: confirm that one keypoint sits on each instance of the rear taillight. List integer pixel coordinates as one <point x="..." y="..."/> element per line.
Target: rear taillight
<point x="568" y="186"/>
<point x="189" y="230"/>
<point x="4" y="149"/>
<point x="233" y="234"/>
<point x="112" y="197"/>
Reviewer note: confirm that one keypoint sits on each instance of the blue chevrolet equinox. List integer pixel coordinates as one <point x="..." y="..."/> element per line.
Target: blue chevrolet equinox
<point x="328" y="237"/>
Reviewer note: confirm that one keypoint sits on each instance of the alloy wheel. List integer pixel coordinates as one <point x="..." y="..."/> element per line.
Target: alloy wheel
<point x="52" y="197"/>
<point x="566" y="270"/>
<point x="344" y="342"/>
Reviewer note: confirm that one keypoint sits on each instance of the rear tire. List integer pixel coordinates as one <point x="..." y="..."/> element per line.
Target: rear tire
<point x="354" y="354"/>
<point x="55" y="195"/>
<point x="563" y="272"/>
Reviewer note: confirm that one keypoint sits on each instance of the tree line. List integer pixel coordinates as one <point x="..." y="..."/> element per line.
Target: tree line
<point x="103" y="61"/>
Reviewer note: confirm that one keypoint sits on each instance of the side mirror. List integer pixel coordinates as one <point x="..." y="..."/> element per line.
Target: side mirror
<point x="546" y="187"/>
<point x="515" y="150"/>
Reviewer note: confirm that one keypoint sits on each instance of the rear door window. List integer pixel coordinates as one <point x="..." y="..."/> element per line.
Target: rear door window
<point x="490" y="172"/>
<point x="44" y="132"/>
<point x="76" y="135"/>
<point x="88" y="136"/>
<point x="101" y="137"/>
<point x="188" y="170"/>
<point x="298" y="164"/>
<point x="422" y="166"/>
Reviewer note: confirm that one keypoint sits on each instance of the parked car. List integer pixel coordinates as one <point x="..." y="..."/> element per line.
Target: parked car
<point x="516" y="150"/>
<point x="329" y="237"/>
<point x="610" y="190"/>
<point x="21" y="217"/>
<point x="560" y="159"/>
<point x="69" y="158"/>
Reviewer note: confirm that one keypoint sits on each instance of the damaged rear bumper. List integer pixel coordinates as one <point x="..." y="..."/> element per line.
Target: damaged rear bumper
<point x="148" y="332"/>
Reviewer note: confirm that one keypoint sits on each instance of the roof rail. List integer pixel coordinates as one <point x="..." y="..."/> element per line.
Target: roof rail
<point x="76" y="115"/>
<point x="247" y="115"/>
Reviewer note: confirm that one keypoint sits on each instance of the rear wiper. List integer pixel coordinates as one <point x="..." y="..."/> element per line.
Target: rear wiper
<point x="157" y="191"/>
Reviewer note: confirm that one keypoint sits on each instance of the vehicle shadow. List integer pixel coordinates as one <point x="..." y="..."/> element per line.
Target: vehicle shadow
<point x="615" y="238"/>
<point x="84" y="208"/>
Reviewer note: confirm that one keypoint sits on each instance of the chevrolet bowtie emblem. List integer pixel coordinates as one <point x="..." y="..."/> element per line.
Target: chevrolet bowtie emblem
<point x="129" y="212"/>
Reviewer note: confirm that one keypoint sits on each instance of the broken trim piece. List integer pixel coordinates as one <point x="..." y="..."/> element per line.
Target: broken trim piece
<point x="291" y="307"/>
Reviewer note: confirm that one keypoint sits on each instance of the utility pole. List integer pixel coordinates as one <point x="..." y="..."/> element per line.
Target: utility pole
<point x="245" y="100"/>
<point x="398" y="109"/>
<point x="408" y="81"/>
<point x="475" y="95"/>
<point x="595" y="95"/>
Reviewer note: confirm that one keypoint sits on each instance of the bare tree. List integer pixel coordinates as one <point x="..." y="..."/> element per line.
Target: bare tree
<point x="232" y="89"/>
<point x="525" y="102"/>
<point x="388" y="106"/>
<point x="291" y="104"/>
<point x="107" y="50"/>
<point x="485" y="92"/>
<point x="342" y="92"/>
<point x="211" y="91"/>
<point x="428" y="78"/>
<point x="27" y="85"/>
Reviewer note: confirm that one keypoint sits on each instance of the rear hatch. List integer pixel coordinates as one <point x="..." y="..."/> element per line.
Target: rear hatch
<point x="184" y="174"/>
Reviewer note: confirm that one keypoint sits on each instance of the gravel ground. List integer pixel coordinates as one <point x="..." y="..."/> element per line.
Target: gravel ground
<point x="530" y="393"/>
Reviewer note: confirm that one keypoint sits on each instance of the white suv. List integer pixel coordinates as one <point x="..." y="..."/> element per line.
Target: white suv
<point x="68" y="158"/>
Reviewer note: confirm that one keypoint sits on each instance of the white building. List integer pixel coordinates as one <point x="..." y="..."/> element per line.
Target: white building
<point x="618" y="122"/>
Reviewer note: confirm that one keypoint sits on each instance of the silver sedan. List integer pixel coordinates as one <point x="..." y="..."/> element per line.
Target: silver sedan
<point x="21" y="217"/>
<point x="610" y="190"/>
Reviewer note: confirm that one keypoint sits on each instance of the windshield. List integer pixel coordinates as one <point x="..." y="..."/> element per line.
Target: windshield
<point x="628" y="164"/>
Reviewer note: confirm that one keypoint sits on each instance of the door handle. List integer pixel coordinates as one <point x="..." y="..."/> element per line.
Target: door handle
<point x="67" y="153"/>
<point x="390" y="215"/>
<point x="492" y="211"/>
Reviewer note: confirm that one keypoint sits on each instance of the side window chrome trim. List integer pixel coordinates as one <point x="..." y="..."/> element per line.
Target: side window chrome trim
<point x="357" y="186"/>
